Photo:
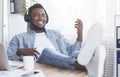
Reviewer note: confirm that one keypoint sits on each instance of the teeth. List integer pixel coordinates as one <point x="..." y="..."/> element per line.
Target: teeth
<point x="40" y="22"/>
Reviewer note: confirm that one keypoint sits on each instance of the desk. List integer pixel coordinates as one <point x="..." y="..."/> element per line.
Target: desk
<point x="51" y="71"/>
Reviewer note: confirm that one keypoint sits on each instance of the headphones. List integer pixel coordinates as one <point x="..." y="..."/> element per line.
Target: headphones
<point x="27" y="17"/>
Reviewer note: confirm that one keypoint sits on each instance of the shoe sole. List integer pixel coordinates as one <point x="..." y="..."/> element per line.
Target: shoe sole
<point x="102" y="56"/>
<point x="93" y="39"/>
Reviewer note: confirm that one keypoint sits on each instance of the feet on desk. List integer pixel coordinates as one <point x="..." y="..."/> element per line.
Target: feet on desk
<point x="96" y="66"/>
<point x="93" y="39"/>
<point x="90" y="55"/>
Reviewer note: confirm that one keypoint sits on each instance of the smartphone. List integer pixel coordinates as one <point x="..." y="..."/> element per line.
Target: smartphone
<point x="29" y="74"/>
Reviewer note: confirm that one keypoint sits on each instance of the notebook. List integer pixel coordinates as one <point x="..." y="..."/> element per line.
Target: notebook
<point x="4" y="62"/>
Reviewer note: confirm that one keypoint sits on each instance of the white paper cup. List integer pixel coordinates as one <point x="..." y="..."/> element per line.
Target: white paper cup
<point x="28" y="62"/>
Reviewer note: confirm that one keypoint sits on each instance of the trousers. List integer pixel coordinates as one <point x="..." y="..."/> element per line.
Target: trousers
<point x="58" y="59"/>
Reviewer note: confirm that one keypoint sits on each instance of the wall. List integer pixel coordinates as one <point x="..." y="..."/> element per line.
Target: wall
<point x="16" y="21"/>
<point x="65" y="22"/>
<point x="65" y="15"/>
<point x="1" y="20"/>
<point x="117" y="13"/>
<point x="110" y="17"/>
<point x="89" y="11"/>
<point x="16" y="25"/>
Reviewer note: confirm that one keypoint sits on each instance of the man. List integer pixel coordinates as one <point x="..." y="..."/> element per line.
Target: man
<point x="49" y="46"/>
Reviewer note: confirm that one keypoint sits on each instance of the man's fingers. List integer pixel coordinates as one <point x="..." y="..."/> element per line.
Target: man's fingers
<point x="36" y="52"/>
<point x="35" y="56"/>
<point x="78" y="21"/>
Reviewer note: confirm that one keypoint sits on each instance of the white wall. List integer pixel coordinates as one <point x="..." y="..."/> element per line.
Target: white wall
<point x="117" y="13"/>
<point x="17" y="23"/>
<point x="110" y="17"/>
<point x="65" y="13"/>
<point x="5" y="22"/>
<point x="118" y="7"/>
<point x="88" y="11"/>
<point x="1" y="21"/>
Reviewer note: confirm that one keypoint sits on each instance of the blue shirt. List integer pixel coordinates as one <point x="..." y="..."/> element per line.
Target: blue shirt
<point x="27" y="40"/>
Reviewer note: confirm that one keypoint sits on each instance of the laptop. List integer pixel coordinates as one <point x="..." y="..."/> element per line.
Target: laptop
<point x="4" y="62"/>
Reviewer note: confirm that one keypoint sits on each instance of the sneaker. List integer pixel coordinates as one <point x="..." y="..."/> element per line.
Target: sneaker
<point x="93" y="39"/>
<point x="95" y="67"/>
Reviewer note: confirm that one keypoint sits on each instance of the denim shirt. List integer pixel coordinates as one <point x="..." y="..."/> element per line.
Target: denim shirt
<point x="27" y="40"/>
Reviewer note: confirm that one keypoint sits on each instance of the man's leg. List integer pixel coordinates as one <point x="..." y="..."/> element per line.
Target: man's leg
<point x="55" y="58"/>
<point x="93" y="39"/>
<point x="96" y="66"/>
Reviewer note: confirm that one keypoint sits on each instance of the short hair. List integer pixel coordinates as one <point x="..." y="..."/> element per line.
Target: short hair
<point x="37" y="6"/>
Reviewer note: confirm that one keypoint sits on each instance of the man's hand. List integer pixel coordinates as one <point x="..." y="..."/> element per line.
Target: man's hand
<point x="27" y="51"/>
<point x="79" y="26"/>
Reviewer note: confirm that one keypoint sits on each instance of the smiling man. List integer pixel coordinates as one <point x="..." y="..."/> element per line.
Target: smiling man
<point x="50" y="47"/>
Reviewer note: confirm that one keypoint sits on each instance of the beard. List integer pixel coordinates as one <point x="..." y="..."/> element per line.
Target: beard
<point x="36" y="28"/>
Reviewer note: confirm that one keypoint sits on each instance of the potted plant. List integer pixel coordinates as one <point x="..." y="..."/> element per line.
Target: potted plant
<point x="26" y="4"/>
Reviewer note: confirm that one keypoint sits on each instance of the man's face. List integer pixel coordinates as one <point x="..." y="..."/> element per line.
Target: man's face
<point x="38" y="17"/>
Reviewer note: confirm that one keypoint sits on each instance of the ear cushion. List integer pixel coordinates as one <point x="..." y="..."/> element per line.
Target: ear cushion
<point x="27" y="18"/>
<point x="47" y="18"/>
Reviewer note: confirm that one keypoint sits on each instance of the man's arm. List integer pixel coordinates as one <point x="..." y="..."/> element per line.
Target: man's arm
<point x="27" y="51"/>
<point x="79" y="26"/>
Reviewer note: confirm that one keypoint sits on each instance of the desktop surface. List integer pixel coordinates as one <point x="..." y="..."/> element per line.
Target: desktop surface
<point x="51" y="71"/>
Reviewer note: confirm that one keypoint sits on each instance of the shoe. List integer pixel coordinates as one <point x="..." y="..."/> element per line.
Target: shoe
<point x="94" y="37"/>
<point x="80" y="67"/>
<point x="95" y="67"/>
